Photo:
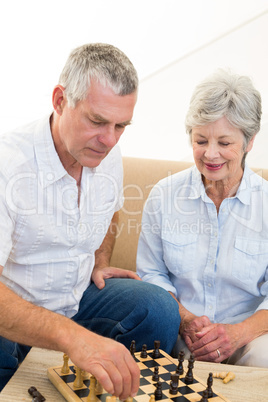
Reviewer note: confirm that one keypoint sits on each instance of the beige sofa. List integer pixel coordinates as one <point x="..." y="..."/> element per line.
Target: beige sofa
<point x="140" y="175"/>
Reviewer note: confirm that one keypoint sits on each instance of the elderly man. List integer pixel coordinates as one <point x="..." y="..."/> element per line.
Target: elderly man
<point x="61" y="189"/>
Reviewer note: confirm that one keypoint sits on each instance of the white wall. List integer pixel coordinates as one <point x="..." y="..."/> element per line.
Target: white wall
<point x="172" y="43"/>
<point x="158" y="130"/>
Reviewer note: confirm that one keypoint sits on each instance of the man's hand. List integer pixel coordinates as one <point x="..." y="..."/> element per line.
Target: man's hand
<point x="109" y="361"/>
<point x="100" y="274"/>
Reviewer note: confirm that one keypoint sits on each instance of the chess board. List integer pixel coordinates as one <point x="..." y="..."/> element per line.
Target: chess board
<point x="192" y="392"/>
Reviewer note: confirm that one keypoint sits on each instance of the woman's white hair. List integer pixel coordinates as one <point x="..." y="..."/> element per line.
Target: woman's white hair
<point x="230" y="95"/>
<point x="99" y="61"/>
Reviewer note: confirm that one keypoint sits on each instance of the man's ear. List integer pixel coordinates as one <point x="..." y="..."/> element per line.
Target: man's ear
<point x="58" y="99"/>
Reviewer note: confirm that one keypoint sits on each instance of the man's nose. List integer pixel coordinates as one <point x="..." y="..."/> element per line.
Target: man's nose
<point x="108" y="137"/>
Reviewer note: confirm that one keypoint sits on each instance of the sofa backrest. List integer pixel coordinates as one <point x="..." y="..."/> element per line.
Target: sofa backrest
<point x="140" y="175"/>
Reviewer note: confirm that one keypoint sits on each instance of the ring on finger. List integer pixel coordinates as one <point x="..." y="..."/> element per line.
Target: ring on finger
<point x="219" y="353"/>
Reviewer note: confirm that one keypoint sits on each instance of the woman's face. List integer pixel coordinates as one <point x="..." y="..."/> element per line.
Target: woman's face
<point x="218" y="149"/>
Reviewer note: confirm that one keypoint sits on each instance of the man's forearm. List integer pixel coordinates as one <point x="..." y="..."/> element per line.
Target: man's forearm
<point x="23" y="322"/>
<point x="104" y="253"/>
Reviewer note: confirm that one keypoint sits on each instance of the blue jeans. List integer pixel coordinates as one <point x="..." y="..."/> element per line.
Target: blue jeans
<point x="125" y="310"/>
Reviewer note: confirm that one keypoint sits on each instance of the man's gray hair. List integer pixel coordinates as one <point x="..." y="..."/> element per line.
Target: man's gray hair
<point x="226" y="94"/>
<point x="99" y="61"/>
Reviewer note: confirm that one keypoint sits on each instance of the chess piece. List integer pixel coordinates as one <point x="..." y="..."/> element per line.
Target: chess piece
<point x="155" y="376"/>
<point x="204" y="396"/>
<point x="143" y="354"/>
<point x="230" y="376"/>
<point x="132" y="348"/>
<point x="158" y="391"/>
<point x="189" y="375"/>
<point x="156" y="352"/>
<point x="209" y="385"/>
<point x="98" y="388"/>
<point x="179" y="369"/>
<point x="65" y="368"/>
<point x="174" y="383"/>
<point x="78" y="382"/>
<point x="92" y="390"/>
<point x="152" y="398"/>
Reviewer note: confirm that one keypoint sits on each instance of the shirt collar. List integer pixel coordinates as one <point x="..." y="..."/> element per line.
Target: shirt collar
<point x="49" y="164"/>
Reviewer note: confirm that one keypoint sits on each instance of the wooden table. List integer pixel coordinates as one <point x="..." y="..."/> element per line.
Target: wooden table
<point x="250" y="384"/>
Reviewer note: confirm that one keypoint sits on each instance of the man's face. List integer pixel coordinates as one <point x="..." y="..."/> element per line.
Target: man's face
<point x="86" y="134"/>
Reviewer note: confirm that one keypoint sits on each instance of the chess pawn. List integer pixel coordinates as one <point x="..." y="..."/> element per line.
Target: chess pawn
<point x="132" y="348"/>
<point x="143" y="354"/>
<point x="78" y="382"/>
<point x="205" y="396"/>
<point x="158" y="391"/>
<point x="155" y="376"/>
<point x="98" y="388"/>
<point x="152" y="398"/>
<point x="156" y="352"/>
<point x="92" y="390"/>
<point x="209" y="385"/>
<point x="65" y="368"/>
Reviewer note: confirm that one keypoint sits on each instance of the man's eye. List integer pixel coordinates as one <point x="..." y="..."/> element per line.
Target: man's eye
<point x="224" y="144"/>
<point x="95" y="123"/>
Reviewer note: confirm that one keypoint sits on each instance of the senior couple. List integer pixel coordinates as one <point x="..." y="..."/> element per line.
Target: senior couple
<point x="58" y="290"/>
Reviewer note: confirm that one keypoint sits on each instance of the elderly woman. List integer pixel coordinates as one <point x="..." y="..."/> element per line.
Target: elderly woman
<point x="205" y="230"/>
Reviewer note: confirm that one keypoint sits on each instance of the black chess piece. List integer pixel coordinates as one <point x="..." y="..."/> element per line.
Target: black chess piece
<point x="189" y="375"/>
<point x="132" y="348"/>
<point x="209" y="385"/>
<point x="158" y="391"/>
<point x="143" y="354"/>
<point x="174" y="383"/>
<point x="156" y="353"/>
<point x="179" y="369"/>
<point x="205" y="396"/>
<point x="155" y="376"/>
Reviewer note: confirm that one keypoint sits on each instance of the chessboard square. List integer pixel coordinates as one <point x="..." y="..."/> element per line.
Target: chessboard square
<point x="171" y="367"/>
<point x="197" y="387"/>
<point x="184" y="381"/>
<point x="164" y="361"/>
<point x="193" y="397"/>
<point x="184" y="390"/>
<point x="165" y="376"/>
<point x="144" y="381"/>
<point x="151" y="363"/>
<point x="69" y="378"/>
<point x="180" y="398"/>
<point x="82" y="393"/>
<point x="142" y="398"/>
<point x="146" y="373"/>
<point x="142" y="366"/>
<point x="147" y="389"/>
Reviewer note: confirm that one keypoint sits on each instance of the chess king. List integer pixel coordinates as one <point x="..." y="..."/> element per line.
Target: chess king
<point x="60" y="193"/>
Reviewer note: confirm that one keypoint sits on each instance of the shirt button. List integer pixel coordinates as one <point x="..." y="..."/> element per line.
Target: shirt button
<point x="210" y="307"/>
<point x="211" y="262"/>
<point x="215" y="234"/>
<point x="209" y="285"/>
